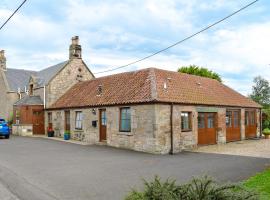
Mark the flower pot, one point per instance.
(267, 136)
(66, 136)
(50, 133)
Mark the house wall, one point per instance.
(150, 127)
(3, 99)
(65, 79)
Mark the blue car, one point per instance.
(4, 129)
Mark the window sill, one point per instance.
(190, 130)
(125, 133)
(78, 130)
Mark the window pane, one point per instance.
(78, 122)
(252, 118)
(236, 119)
(210, 120)
(125, 123)
(185, 121)
(229, 119)
(201, 120)
(247, 118)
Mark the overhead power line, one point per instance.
(13, 14)
(181, 41)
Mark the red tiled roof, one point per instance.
(152, 85)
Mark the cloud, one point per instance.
(114, 33)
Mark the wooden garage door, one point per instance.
(233, 131)
(207, 128)
(250, 124)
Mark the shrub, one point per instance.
(266, 131)
(197, 189)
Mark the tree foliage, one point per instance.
(261, 91)
(200, 71)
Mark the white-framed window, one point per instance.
(125, 119)
(186, 118)
(79, 120)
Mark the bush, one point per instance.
(266, 131)
(197, 189)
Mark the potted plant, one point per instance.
(67, 135)
(50, 132)
(266, 133)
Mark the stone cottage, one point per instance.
(48, 84)
(154, 111)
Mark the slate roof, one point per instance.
(19, 78)
(29, 100)
(151, 85)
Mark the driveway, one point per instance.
(254, 148)
(42, 169)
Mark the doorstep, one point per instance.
(61, 139)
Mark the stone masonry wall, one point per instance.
(65, 79)
(3, 98)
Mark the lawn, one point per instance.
(261, 183)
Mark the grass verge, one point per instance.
(260, 183)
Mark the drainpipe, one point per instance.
(171, 123)
(44, 97)
(260, 122)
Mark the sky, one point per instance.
(113, 33)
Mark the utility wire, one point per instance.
(187, 38)
(13, 14)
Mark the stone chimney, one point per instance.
(75, 50)
(3, 60)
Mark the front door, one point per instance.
(233, 131)
(102, 125)
(67, 120)
(207, 128)
(250, 124)
(38, 122)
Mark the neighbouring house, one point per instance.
(20, 88)
(154, 110)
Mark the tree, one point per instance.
(200, 71)
(261, 91)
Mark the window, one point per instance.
(103, 118)
(125, 120)
(229, 119)
(78, 122)
(50, 119)
(246, 118)
(186, 121)
(236, 119)
(210, 120)
(201, 123)
(252, 118)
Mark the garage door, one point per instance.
(233, 131)
(207, 128)
(250, 124)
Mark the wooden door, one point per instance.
(67, 120)
(207, 128)
(233, 130)
(38, 122)
(250, 124)
(102, 125)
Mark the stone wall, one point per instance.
(71, 74)
(150, 127)
(3, 97)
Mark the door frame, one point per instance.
(101, 126)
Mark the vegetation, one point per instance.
(266, 131)
(261, 183)
(200, 71)
(198, 189)
(261, 92)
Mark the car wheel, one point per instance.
(7, 136)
